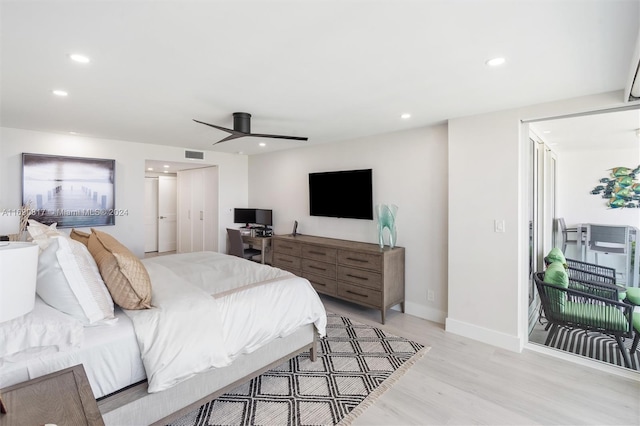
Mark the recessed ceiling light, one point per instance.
(79, 58)
(262, 144)
(166, 166)
(240, 152)
(150, 169)
(166, 171)
(495, 62)
(60, 93)
(73, 133)
(405, 116)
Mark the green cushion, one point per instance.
(556, 255)
(556, 274)
(607, 317)
(633, 295)
(636, 321)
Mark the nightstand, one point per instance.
(61, 398)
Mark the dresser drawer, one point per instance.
(287, 247)
(360, 260)
(284, 261)
(323, 254)
(360, 277)
(319, 268)
(322, 284)
(360, 294)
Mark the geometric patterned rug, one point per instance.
(356, 363)
(594, 345)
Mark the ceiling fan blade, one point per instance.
(217, 127)
(236, 135)
(295, 138)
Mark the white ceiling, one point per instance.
(330, 70)
(610, 130)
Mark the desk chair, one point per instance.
(609, 239)
(236, 245)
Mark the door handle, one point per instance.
(163, 217)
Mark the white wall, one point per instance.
(488, 180)
(409, 170)
(130, 171)
(579, 171)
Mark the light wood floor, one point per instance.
(464, 382)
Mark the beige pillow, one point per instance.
(123, 273)
(80, 236)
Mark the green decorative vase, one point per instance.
(386, 217)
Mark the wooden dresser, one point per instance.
(362, 273)
(61, 398)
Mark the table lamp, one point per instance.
(18, 272)
(9, 226)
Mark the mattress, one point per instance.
(109, 354)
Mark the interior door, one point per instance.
(167, 213)
(150, 214)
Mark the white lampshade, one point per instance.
(9, 224)
(18, 272)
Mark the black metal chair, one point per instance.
(572, 308)
(237, 247)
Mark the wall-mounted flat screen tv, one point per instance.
(344, 194)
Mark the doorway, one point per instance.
(569, 158)
(160, 214)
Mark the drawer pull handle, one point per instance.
(358, 277)
(286, 260)
(317, 252)
(315, 267)
(320, 284)
(357, 294)
(358, 260)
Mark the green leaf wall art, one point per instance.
(621, 188)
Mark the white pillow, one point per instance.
(40, 233)
(69, 280)
(42, 330)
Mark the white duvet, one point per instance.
(208, 308)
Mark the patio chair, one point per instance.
(575, 309)
(561, 226)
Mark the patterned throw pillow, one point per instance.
(123, 273)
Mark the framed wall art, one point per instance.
(70, 191)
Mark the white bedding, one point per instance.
(253, 305)
(109, 353)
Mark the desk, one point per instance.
(261, 243)
(632, 276)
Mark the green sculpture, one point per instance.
(386, 216)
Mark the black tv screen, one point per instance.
(344, 194)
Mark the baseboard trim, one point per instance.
(485, 335)
(424, 312)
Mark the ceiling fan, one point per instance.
(242, 128)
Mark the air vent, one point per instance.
(194, 155)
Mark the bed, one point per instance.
(215, 321)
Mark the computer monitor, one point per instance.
(264, 217)
(246, 216)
